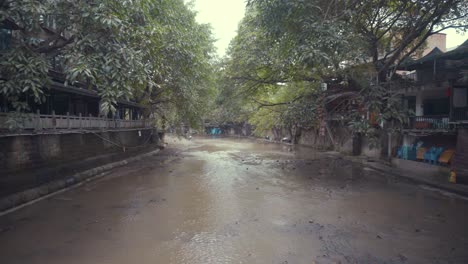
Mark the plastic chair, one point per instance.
(432, 156)
(420, 153)
(400, 153)
(408, 152)
(446, 156)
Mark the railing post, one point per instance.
(68, 120)
(90, 121)
(38, 120)
(54, 120)
(80, 120)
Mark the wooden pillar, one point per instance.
(68, 120)
(389, 150)
(451, 82)
(80, 120)
(54, 120)
(38, 120)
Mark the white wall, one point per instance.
(426, 92)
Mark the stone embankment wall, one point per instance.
(460, 161)
(340, 138)
(27, 161)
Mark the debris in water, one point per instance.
(402, 257)
(379, 237)
(8, 228)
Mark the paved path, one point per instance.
(236, 201)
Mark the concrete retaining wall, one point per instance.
(341, 137)
(343, 141)
(434, 172)
(27, 161)
(460, 161)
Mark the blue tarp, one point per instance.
(215, 131)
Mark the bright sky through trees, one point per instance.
(224, 16)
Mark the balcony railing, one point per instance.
(429, 122)
(45, 122)
(460, 114)
(411, 76)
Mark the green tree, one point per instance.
(351, 42)
(152, 52)
(275, 72)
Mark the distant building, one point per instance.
(438, 95)
(438, 40)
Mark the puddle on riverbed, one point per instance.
(238, 201)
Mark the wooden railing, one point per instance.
(411, 76)
(429, 122)
(40, 122)
(460, 115)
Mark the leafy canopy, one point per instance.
(152, 52)
(284, 49)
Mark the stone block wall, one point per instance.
(460, 160)
(341, 137)
(30, 160)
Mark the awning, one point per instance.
(411, 64)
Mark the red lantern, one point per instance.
(448, 92)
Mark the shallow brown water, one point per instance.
(237, 201)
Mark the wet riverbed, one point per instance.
(237, 201)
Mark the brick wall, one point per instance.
(30, 160)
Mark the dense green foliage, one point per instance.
(285, 49)
(149, 51)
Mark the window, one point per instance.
(460, 97)
(437, 106)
